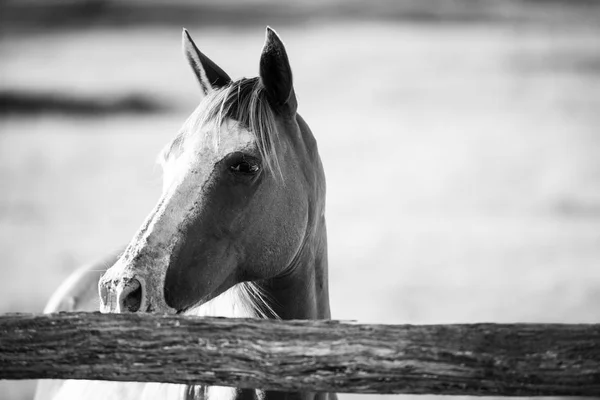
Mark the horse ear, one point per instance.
(209, 74)
(276, 74)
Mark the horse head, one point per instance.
(243, 191)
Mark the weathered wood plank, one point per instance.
(478, 359)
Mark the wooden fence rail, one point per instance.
(478, 359)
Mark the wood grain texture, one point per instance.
(478, 359)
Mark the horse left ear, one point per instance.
(210, 75)
(276, 74)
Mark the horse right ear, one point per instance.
(276, 74)
(210, 75)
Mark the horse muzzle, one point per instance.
(125, 295)
(125, 292)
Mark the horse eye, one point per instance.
(245, 167)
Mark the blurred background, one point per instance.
(461, 142)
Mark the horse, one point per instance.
(238, 231)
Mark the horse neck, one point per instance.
(303, 292)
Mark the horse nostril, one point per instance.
(130, 299)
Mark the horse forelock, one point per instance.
(244, 101)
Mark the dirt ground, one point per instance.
(463, 161)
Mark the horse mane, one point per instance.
(244, 101)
